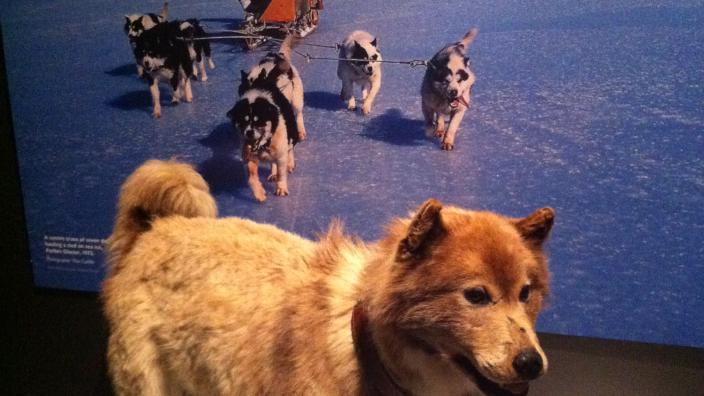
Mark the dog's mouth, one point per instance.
(486, 385)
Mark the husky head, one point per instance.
(369, 53)
(136, 24)
(150, 49)
(449, 70)
(467, 287)
(256, 117)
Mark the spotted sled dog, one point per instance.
(444, 304)
(446, 90)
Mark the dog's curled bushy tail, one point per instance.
(156, 189)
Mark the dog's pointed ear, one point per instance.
(127, 19)
(536, 227)
(425, 227)
(374, 42)
(356, 45)
(262, 75)
(243, 75)
(231, 113)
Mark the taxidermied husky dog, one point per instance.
(444, 304)
(136, 24)
(366, 72)
(446, 90)
(266, 117)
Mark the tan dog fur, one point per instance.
(206, 306)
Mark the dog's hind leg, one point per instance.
(133, 363)
(189, 92)
(272, 177)
(291, 161)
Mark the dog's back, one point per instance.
(206, 306)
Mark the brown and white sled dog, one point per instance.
(444, 304)
(266, 118)
(446, 90)
(365, 72)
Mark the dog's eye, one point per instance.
(477, 296)
(375, 57)
(524, 294)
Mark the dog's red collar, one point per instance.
(375, 378)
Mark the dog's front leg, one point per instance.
(373, 91)
(347, 93)
(254, 183)
(154, 89)
(448, 143)
(189, 92)
(291, 161)
(273, 175)
(282, 174)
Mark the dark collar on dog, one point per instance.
(375, 378)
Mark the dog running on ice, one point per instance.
(164, 56)
(136, 24)
(199, 50)
(444, 304)
(446, 90)
(365, 72)
(269, 117)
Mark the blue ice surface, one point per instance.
(592, 108)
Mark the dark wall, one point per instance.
(56, 340)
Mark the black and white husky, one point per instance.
(446, 89)
(266, 118)
(365, 72)
(164, 56)
(191, 31)
(136, 24)
(277, 67)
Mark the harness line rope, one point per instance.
(308, 57)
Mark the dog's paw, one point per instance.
(156, 114)
(447, 146)
(260, 195)
(204, 78)
(302, 134)
(175, 101)
(439, 133)
(272, 178)
(282, 191)
(351, 105)
(290, 168)
(366, 109)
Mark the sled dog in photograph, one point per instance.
(268, 115)
(446, 90)
(365, 72)
(136, 24)
(199, 50)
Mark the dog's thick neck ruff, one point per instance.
(376, 378)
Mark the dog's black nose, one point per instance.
(453, 93)
(528, 364)
(146, 64)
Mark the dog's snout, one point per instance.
(369, 69)
(146, 63)
(528, 364)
